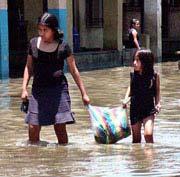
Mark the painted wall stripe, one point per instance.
(4, 44)
(61, 14)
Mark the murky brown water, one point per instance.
(82, 156)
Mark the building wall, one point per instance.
(174, 24)
(32, 10)
(153, 24)
(59, 9)
(70, 23)
(89, 37)
(120, 25)
(110, 24)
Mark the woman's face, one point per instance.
(46, 33)
(137, 25)
(137, 64)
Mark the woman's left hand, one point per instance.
(86, 99)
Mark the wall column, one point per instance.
(110, 24)
(63, 11)
(113, 17)
(4, 41)
(152, 25)
(120, 25)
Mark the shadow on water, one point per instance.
(83, 156)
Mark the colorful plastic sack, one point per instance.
(109, 125)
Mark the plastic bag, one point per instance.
(109, 125)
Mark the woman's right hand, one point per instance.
(24, 95)
(86, 99)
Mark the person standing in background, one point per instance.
(133, 34)
(134, 43)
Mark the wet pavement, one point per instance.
(83, 156)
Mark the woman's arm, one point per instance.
(26, 77)
(76, 76)
(157, 97)
(134, 33)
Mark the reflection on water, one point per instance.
(4, 91)
(82, 156)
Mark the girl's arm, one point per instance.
(76, 76)
(157, 97)
(134, 33)
(127, 98)
(26, 77)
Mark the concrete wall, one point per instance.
(89, 37)
(59, 9)
(120, 25)
(32, 10)
(110, 24)
(3, 4)
(100, 60)
(174, 24)
(152, 25)
(70, 23)
(57, 3)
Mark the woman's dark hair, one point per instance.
(147, 61)
(51, 21)
(133, 22)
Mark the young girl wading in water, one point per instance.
(144, 95)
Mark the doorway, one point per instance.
(17, 36)
(19, 22)
(17, 26)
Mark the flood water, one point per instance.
(83, 156)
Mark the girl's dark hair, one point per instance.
(147, 61)
(133, 22)
(51, 21)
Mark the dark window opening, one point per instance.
(134, 3)
(94, 13)
(175, 3)
(17, 37)
(17, 26)
(165, 14)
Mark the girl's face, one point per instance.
(137, 64)
(46, 33)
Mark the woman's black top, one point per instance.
(46, 63)
(131, 39)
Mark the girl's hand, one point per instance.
(86, 99)
(125, 102)
(124, 106)
(24, 95)
(158, 107)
